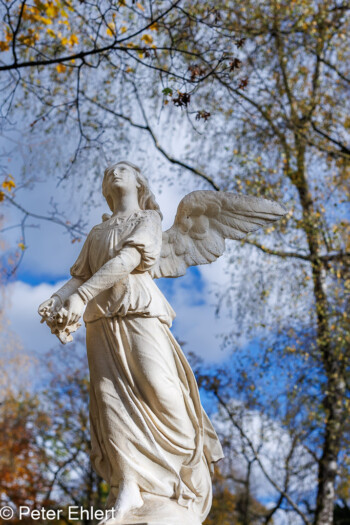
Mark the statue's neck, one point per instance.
(125, 204)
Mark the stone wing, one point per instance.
(203, 221)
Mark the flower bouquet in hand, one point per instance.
(54, 314)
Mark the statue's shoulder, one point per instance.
(139, 216)
(150, 214)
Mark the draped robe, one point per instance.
(147, 421)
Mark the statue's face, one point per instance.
(122, 178)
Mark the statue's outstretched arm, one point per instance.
(109, 274)
(68, 289)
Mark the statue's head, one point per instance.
(129, 175)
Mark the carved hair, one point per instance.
(146, 199)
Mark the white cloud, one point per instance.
(21, 307)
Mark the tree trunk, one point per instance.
(335, 386)
(332, 403)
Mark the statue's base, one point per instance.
(157, 510)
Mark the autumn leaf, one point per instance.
(202, 115)
(147, 39)
(73, 40)
(140, 6)
(46, 21)
(183, 99)
(123, 29)
(4, 46)
(52, 10)
(243, 83)
(8, 185)
(240, 43)
(110, 29)
(235, 64)
(22, 246)
(61, 68)
(2, 196)
(196, 71)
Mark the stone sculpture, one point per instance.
(151, 440)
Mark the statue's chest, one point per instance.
(106, 243)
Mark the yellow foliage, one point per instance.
(73, 40)
(110, 29)
(46, 21)
(154, 27)
(123, 29)
(8, 184)
(51, 33)
(51, 10)
(61, 68)
(147, 39)
(21, 246)
(140, 6)
(2, 196)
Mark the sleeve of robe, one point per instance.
(139, 252)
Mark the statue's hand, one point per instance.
(74, 307)
(49, 306)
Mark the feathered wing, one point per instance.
(203, 221)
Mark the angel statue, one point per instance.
(151, 440)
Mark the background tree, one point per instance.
(77, 70)
(45, 443)
(288, 135)
(234, 502)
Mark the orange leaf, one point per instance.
(8, 185)
(60, 68)
(4, 46)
